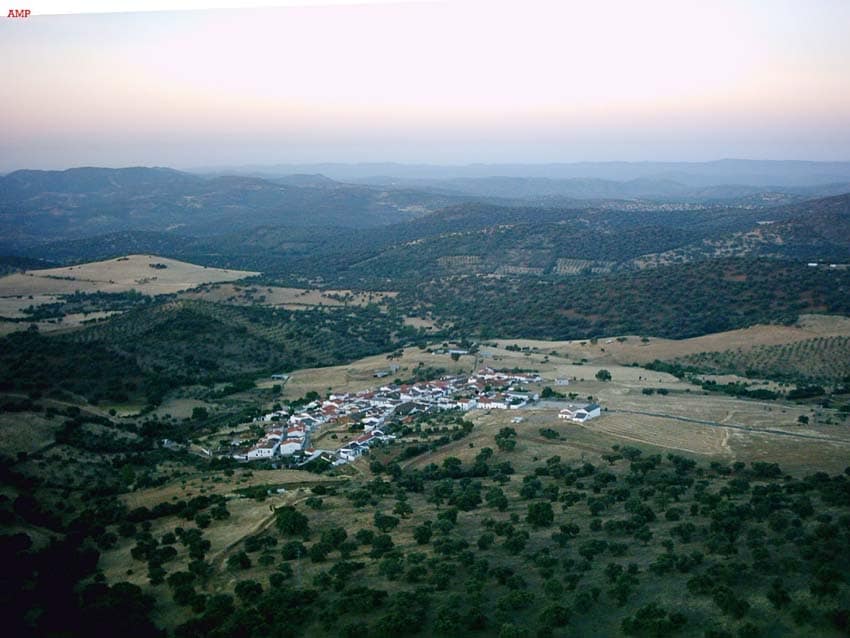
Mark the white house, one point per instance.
(467, 404)
(523, 395)
(290, 447)
(581, 414)
(349, 453)
(493, 403)
(590, 411)
(263, 451)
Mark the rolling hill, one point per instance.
(542, 190)
(46, 205)
(815, 230)
(760, 173)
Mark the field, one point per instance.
(13, 307)
(289, 298)
(632, 349)
(66, 322)
(686, 419)
(220, 483)
(148, 274)
(822, 359)
(576, 266)
(359, 375)
(25, 432)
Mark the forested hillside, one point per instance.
(144, 353)
(41, 205)
(673, 301)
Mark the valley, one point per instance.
(403, 319)
(369, 429)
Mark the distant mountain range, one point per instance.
(548, 191)
(761, 173)
(309, 226)
(42, 205)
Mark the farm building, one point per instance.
(580, 414)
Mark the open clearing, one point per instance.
(66, 322)
(633, 350)
(134, 272)
(359, 375)
(13, 307)
(25, 432)
(828, 449)
(209, 484)
(289, 298)
(686, 419)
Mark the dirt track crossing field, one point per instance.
(745, 428)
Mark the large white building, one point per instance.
(580, 414)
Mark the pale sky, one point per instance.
(442, 82)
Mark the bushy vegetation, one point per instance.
(472, 548)
(823, 359)
(146, 352)
(673, 301)
(85, 303)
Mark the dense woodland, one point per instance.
(675, 301)
(148, 351)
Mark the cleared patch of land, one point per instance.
(180, 408)
(360, 374)
(13, 307)
(289, 298)
(148, 274)
(25, 432)
(66, 322)
(208, 484)
(818, 359)
(419, 322)
(732, 430)
(634, 349)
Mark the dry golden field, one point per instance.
(68, 322)
(359, 375)
(134, 272)
(633, 350)
(13, 307)
(687, 419)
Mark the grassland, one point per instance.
(360, 374)
(148, 274)
(283, 297)
(685, 418)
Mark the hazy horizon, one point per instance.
(446, 83)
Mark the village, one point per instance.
(378, 412)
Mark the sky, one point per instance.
(436, 82)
